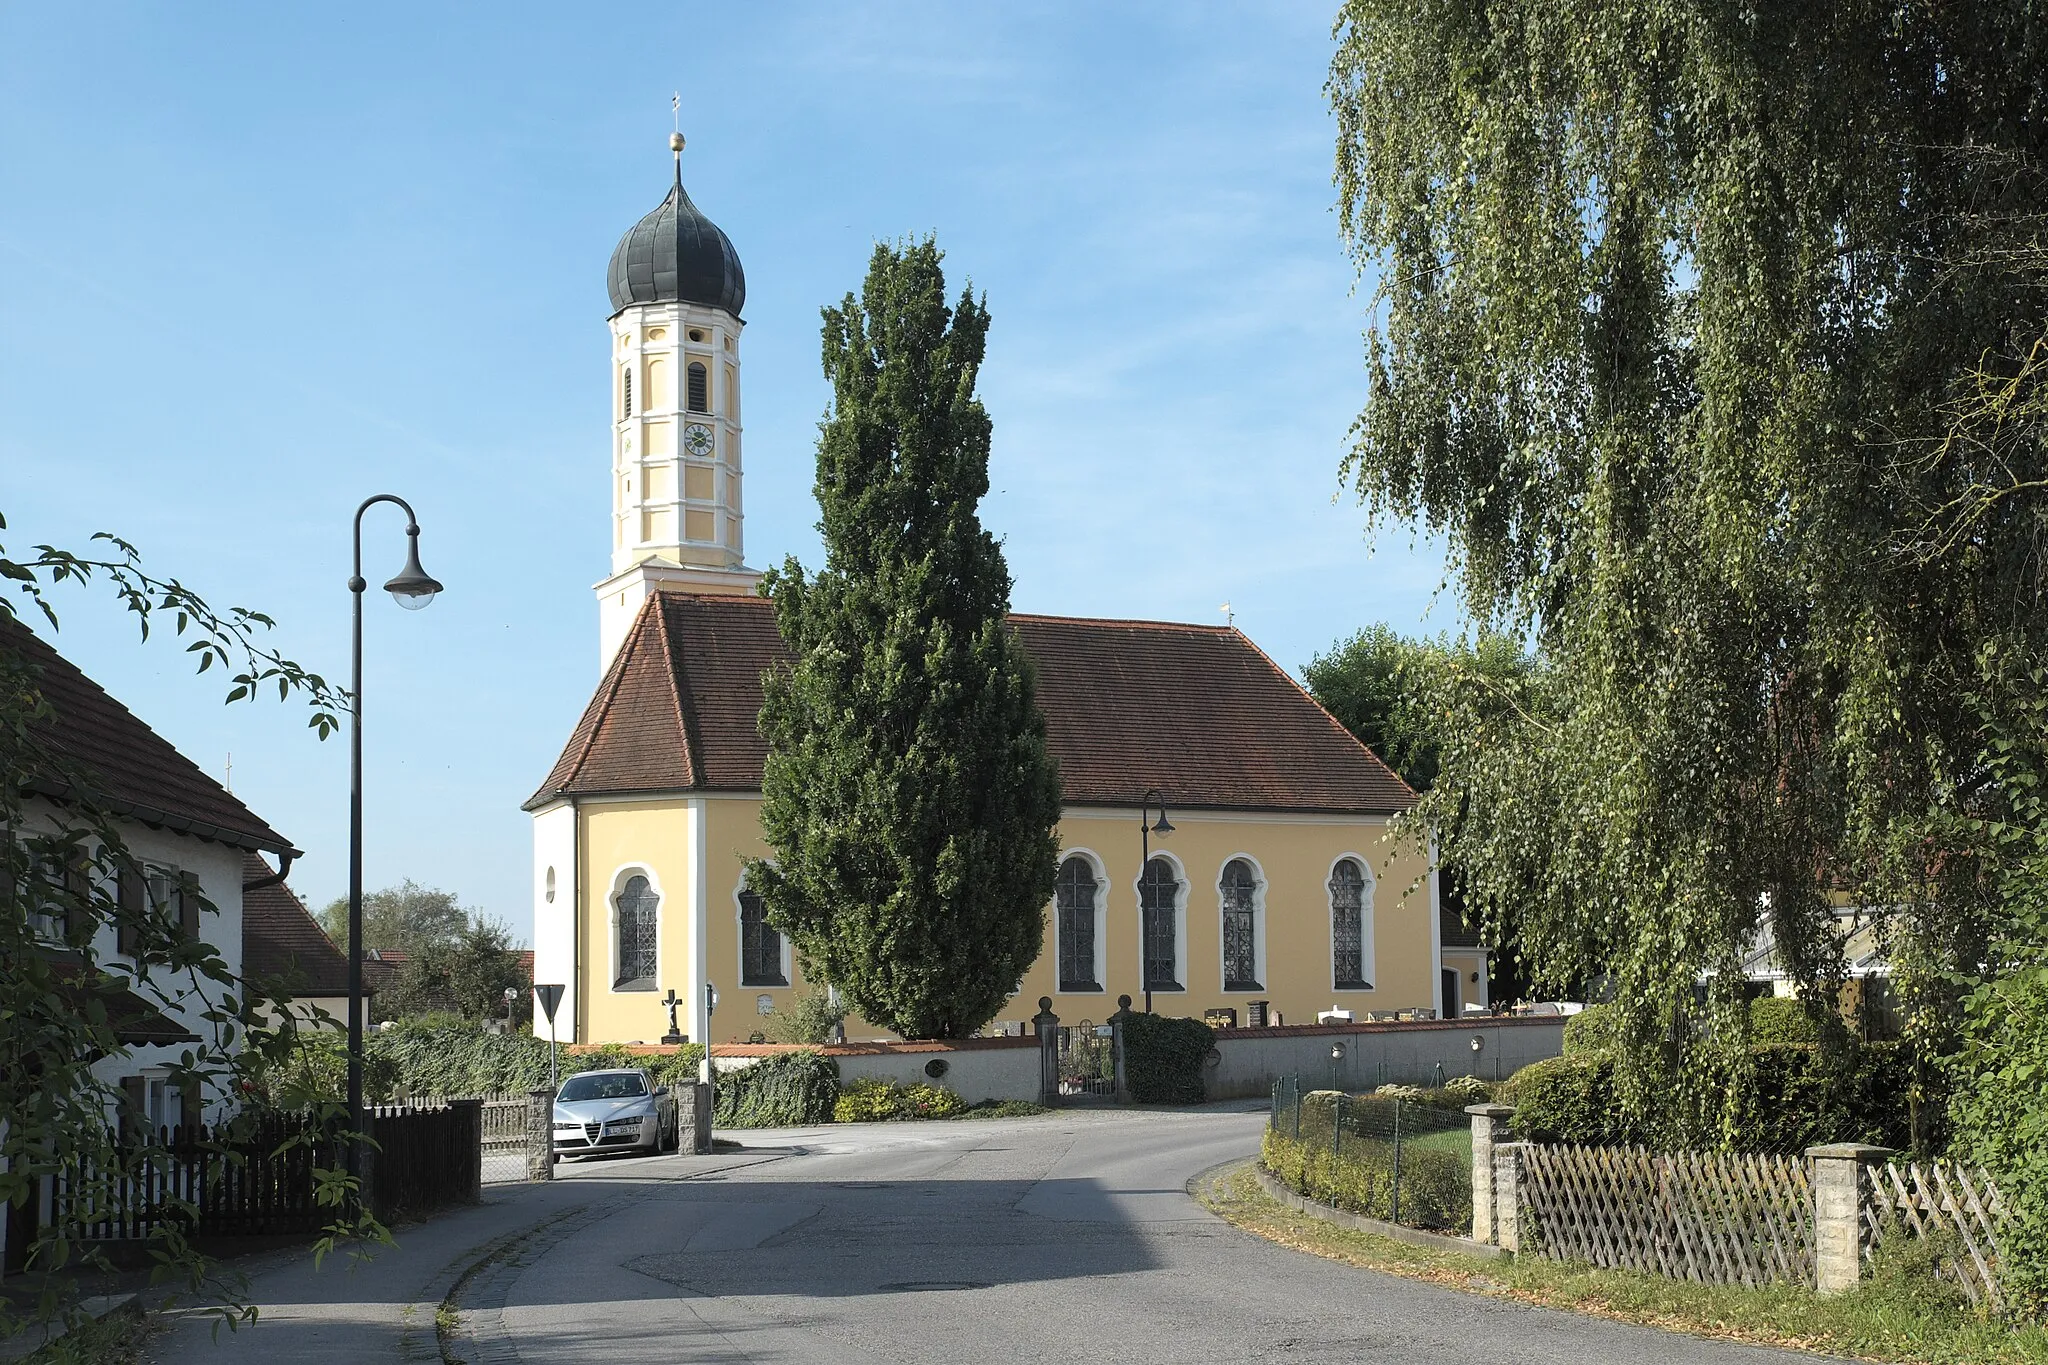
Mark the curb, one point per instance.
(1358, 1222)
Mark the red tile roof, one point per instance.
(1196, 711)
(134, 770)
(282, 944)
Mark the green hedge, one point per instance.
(443, 1055)
(1781, 1019)
(788, 1090)
(1164, 1058)
(872, 1099)
(1435, 1161)
(1789, 1097)
(1596, 1028)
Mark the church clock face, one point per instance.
(697, 439)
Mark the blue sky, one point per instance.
(260, 261)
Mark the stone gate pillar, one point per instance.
(1048, 1025)
(1489, 1131)
(1838, 1213)
(540, 1134)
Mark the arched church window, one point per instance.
(700, 387)
(1240, 927)
(760, 944)
(1074, 894)
(635, 913)
(1347, 924)
(627, 393)
(1158, 904)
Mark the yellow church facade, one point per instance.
(1280, 891)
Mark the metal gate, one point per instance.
(1087, 1060)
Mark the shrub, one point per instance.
(871, 1099)
(1597, 1028)
(1781, 1019)
(1789, 1096)
(676, 1068)
(810, 1018)
(2001, 1118)
(1468, 1090)
(1164, 1058)
(1436, 1181)
(788, 1090)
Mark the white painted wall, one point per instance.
(975, 1074)
(1252, 1060)
(554, 922)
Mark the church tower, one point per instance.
(677, 290)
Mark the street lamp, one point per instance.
(1146, 830)
(1336, 1059)
(413, 590)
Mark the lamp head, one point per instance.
(1162, 829)
(412, 588)
(1336, 1052)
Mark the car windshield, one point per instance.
(613, 1085)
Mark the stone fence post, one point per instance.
(1507, 1196)
(1838, 1212)
(540, 1134)
(1048, 1026)
(1116, 1041)
(700, 1115)
(1489, 1131)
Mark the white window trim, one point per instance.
(1180, 922)
(1258, 927)
(739, 965)
(1368, 964)
(620, 874)
(1101, 872)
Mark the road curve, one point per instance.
(1064, 1238)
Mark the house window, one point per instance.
(175, 905)
(1240, 927)
(627, 400)
(1074, 893)
(1347, 924)
(760, 944)
(1159, 902)
(700, 387)
(634, 911)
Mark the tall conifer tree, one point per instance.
(908, 794)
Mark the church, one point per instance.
(1261, 883)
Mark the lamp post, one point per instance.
(412, 589)
(1146, 830)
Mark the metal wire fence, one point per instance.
(1386, 1155)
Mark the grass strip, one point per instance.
(1900, 1314)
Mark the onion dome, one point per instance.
(676, 254)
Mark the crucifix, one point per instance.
(674, 1034)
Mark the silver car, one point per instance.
(614, 1111)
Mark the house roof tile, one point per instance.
(1196, 711)
(135, 770)
(282, 944)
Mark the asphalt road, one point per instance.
(1068, 1237)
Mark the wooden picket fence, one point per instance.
(1940, 1200)
(254, 1181)
(427, 1156)
(1710, 1217)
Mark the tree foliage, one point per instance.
(62, 994)
(1685, 318)
(408, 917)
(467, 976)
(908, 792)
(1378, 684)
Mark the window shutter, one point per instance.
(188, 911)
(189, 1111)
(131, 904)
